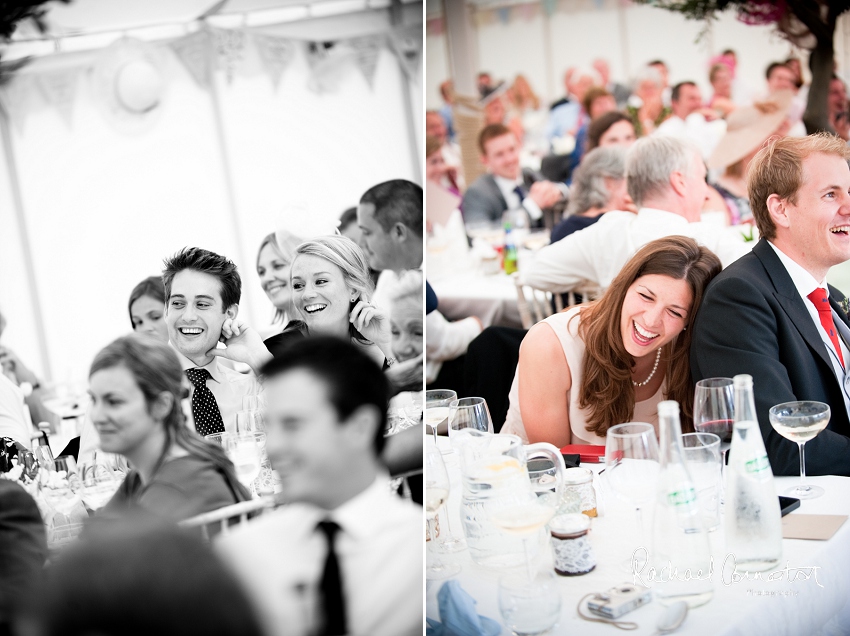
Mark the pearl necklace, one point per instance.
(651, 373)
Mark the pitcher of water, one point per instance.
(494, 466)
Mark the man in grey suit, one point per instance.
(506, 186)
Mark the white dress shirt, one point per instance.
(279, 558)
(445, 340)
(598, 253)
(806, 284)
(507, 187)
(705, 134)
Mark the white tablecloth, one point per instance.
(492, 298)
(745, 608)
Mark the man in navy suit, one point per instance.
(506, 186)
(771, 314)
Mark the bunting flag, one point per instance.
(59, 89)
(194, 52)
(550, 6)
(230, 49)
(435, 26)
(275, 54)
(17, 98)
(407, 43)
(366, 52)
(504, 14)
(327, 62)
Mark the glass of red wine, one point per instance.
(714, 411)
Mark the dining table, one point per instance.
(808, 593)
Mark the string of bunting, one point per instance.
(206, 52)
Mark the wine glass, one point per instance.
(100, 480)
(632, 466)
(437, 488)
(800, 422)
(714, 409)
(469, 412)
(521, 513)
(249, 421)
(244, 452)
(437, 402)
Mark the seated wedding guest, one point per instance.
(202, 291)
(599, 185)
(15, 426)
(406, 321)
(23, 551)
(332, 296)
(445, 346)
(720, 77)
(611, 129)
(646, 106)
(690, 120)
(344, 556)
(435, 127)
(597, 101)
(136, 387)
(620, 92)
(274, 259)
(747, 129)
(26, 380)
(666, 180)
(437, 170)
(506, 186)
(147, 308)
(137, 578)
(772, 315)
(594, 366)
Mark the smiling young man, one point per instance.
(771, 313)
(202, 292)
(344, 555)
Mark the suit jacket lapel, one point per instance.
(789, 298)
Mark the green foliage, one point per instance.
(693, 9)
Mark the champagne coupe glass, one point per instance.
(521, 513)
(244, 452)
(437, 488)
(632, 467)
(437, 402)
(800, 422)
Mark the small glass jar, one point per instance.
(580, 481)
(571, 549)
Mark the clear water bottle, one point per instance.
(680, 552)
(753, 521)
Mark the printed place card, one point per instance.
(818, 527)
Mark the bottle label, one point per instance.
(681, 497)
(757, 465)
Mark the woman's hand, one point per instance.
(372, 323)
(243, 344)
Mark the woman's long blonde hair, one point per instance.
(606, 390)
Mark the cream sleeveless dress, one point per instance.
(566, 328)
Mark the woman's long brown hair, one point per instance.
(606, 390)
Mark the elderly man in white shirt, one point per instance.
(344, 556)
(666, 180)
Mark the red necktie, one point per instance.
(821, 303)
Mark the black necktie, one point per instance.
(333, 603)
(521, 193)
(204, 407)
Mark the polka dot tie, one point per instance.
(333, 603)
(204, 407)
(821, 303)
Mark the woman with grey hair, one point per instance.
(599, 185)
(332, 296)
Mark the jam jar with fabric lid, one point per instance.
(580, 481)
(571, 550)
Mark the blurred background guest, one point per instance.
(611, 129)
(136, 578)
(599, 185)
(406, 322)
(147, 308)
(136, 388)
(690, 120)
(447, 95)
(436, 169)
(646, 106)
(720, 77)
(746, 131)
(837, 109)
(484, 83)
(621, 92)
(274, 258)
(436, 127)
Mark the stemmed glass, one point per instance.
(521, 513)
(469, 412)
(437, 488)
(244, 451)
(437, 403)
(800, 422)
(632, 466)
(101, 480)
(714, 409)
